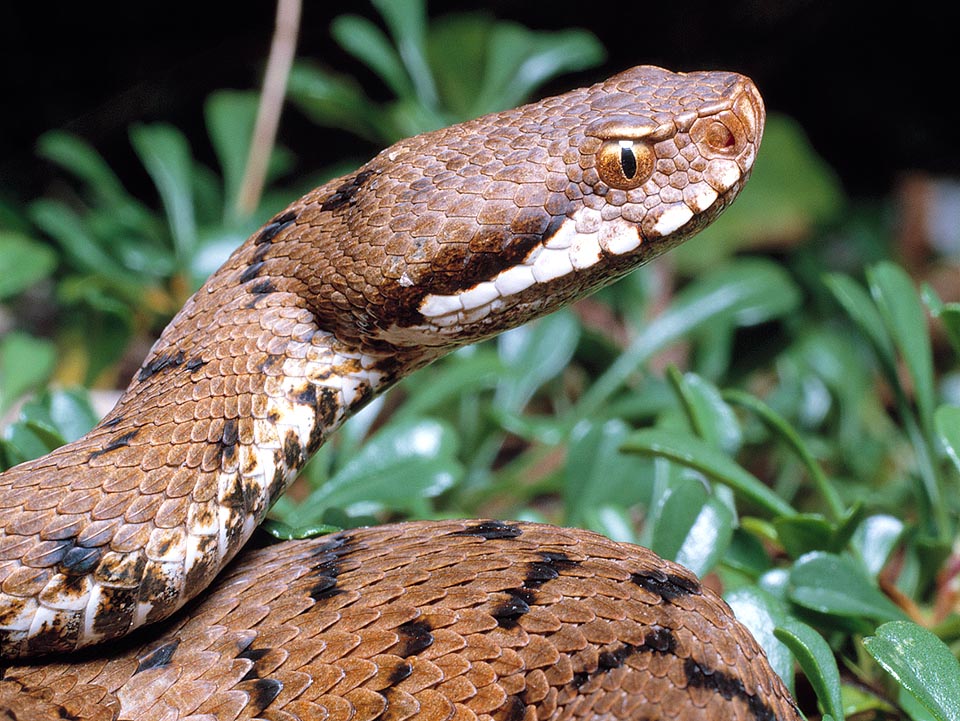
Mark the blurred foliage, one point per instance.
(806, 457)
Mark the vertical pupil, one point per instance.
(628, 161)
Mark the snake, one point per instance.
(124, 593)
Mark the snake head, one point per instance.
(461, 233)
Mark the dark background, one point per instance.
(874, 89)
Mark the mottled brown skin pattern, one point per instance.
(456, 620)
(327, 305)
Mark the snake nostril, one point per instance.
(719, 137)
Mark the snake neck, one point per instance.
(229, 405)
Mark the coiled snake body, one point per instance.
(440, 240)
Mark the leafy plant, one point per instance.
(805, 457)
(440, 72)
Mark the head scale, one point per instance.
(459, 234)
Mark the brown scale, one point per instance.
(431, 620)
(453, 620)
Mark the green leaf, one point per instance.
(817, 661)
(599, 474)
(875, 539)
(25, 262)
(786, 434)
(25, 363)
(335, 101)
(922, 664)
(84, 251)
(533, 354)
(367, 43)
(856, 302)
(762, 613)
(743, 292)
(165, 154)
(946, 420)
(902, 313)
(230, 118)
(696, 454)
(399, 468)
(805, 532)
(947, 313)
(80, 158)
(407, 22)
(519, 60)
(836, 585)
(709, 416)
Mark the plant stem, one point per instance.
(282, 50)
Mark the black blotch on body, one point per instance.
(112, 423)
(580, 678)
(228, 440)
(118, 442)
(539, 572)
(79, 561)
(292, 452)
(270, 230)
(328, 556)
(399, 673)
(307, 397)
(157, 657)
(513, 709)
(263, 287)
(490, 530)
(508, 612)
(161, 362)
(327, 405)
(261, 692)
(253, 654)
(415, 636)
(346, 191)
(194, 363)
(728, 687)
(251, 271)
(666, 585)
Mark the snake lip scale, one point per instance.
(112, 600)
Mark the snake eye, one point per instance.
(624, 164)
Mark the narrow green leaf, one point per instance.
(368, 44)
(817, 661)
(857, 304)
(696, 454)
(836, 585)
(762, 613)
(779, 426)
(533, 354)
(165, 154)
(407, 22)
(399, 468)
(922, 664)
(25, 262)
(80, 158)
(25, 363)
(743, 292)
(709, 416)
(875, 539)
(230, 117)
(599, 474)
(335, 101)
(947, 313)
(946, 420)
(900, 307)
(82, 249)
